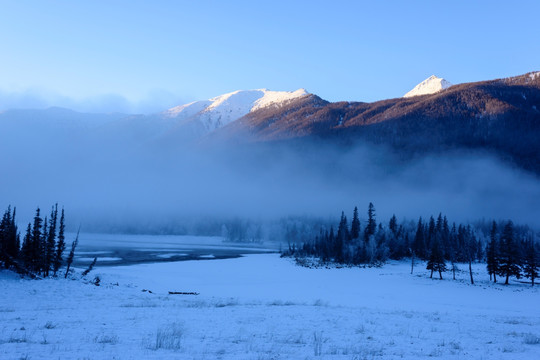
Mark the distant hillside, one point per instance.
(500, 116)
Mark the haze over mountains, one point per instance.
(262, 152)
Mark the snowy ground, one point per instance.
(265, 307)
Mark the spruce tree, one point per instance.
(355, 226)
(13, 239)
(60, 245)
(9, 246)
(392, 225)
(36, 243)
(27, 248)
(469, 248)
(51, 241)
(71, 254)
(531, 261)
(509, 254)
(493, 253)
(90, 267)
(431, 232)
(436, 259)
(341, 238)
(43, 249)
(419, 243)
(371, 226)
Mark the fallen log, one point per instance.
(182, 293)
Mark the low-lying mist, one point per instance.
(108, 187)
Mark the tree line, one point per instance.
(41, 251)
(507, 250)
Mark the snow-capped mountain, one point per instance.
(224, 109)
(431, 85)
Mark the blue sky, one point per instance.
(109, 54)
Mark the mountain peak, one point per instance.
(431, 85)
(224, 109)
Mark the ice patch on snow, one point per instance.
(99, 259)
(168, 256)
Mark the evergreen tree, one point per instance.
(90, 267)
(60, 245)
(419, 243)
(392, 225)
(509, 254)
(43, 249)
(431, 233)
(51, 241)
(469, 243)
(341, 239)
(436, 259)
(493, 253)
(9, 239)
(531, 261)
(371, 226)
(71, 254)
(355, 226)
(27, 248)
(381, 250)
(36, 243)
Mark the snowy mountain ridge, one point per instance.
(431, 85)
(224, 109)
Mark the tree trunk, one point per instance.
(454, 271)
(431, 276)
(440, 274)
(494, 277)
(470, 272)
(412, 262)
(67, 270)
(507, 277)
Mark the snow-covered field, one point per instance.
(264, 307)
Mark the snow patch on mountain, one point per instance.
(224, 109)
(431, 85)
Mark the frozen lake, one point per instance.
(126, 249)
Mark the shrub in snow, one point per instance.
(168, 337)
(531, 339)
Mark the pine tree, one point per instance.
(509, 254)
(531, 261)
(9, 246)
(436, 259)
(13, 239)
(493, 253)
(469, 248)
(71, 254)
(341, 238)
(36, 243)
(43, 247)
(419, 243)
(27, 248)
(51, 241)
(371, 226)
(392, 225)
(90, 267)
(430, 232)
(60, 245)
(355, 226)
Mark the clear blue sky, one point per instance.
(175, 51)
